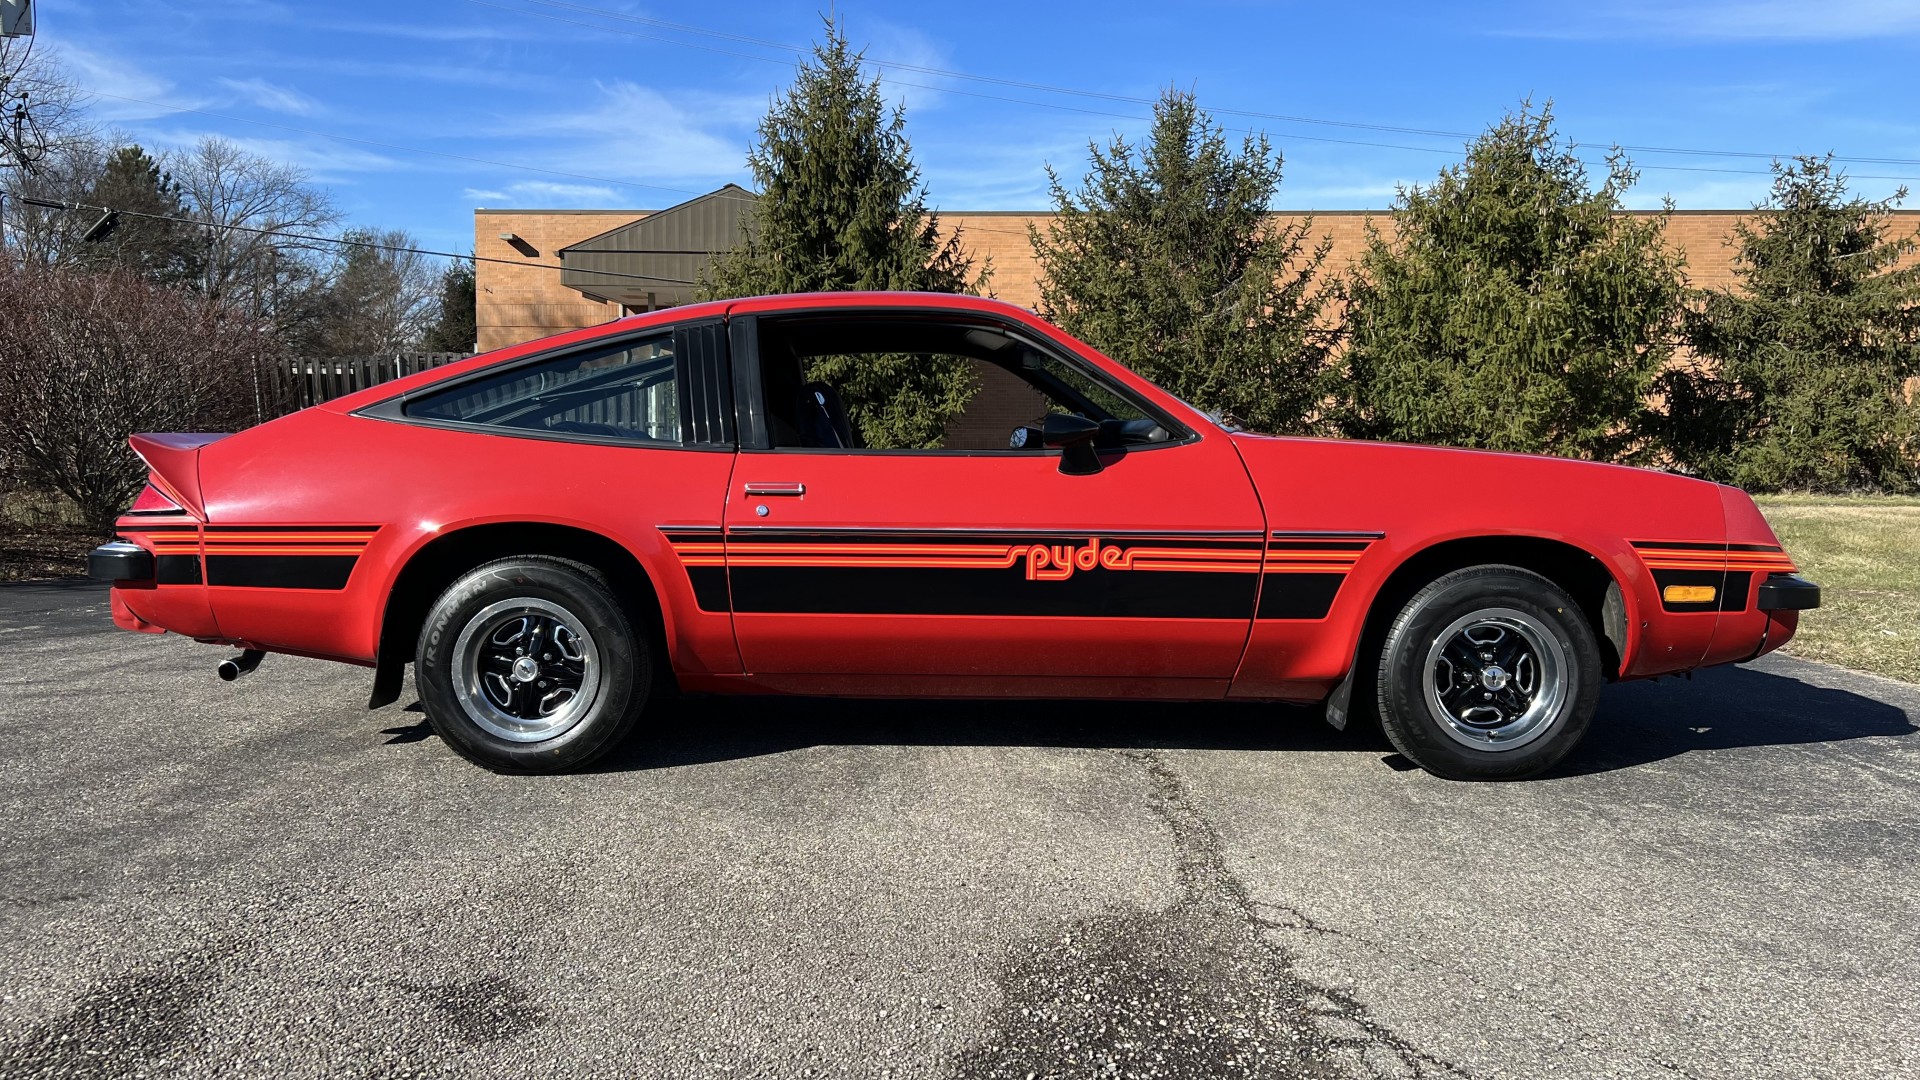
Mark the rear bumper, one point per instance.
(1785, 592)
(120, 561)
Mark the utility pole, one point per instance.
(16, 22)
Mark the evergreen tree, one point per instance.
(1167, 259)
(142, 240)
(842, 208)
(1801, 373)
(455, 325)
(1511, 307)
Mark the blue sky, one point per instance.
(621, 111)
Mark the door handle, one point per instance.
(776, 489)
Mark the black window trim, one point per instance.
(393, 409)
(749, 387)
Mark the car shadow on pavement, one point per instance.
(1725, 708)
(1638, 723)
(698, 730)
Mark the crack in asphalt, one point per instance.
(1192, 992)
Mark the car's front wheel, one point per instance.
(1489, 673)
(530, 664)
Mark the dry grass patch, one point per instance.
(41, 537)
(1865, 553)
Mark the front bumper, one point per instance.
(1785, 592)
(120, 561)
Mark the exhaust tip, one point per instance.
(234, 667)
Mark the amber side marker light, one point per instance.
(1689, 594)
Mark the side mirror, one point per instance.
(1073, 437)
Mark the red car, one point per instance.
(559, 533)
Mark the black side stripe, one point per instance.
(281, 571)
(1299, 596)
(1693, 545)
(929, 591)
(176, 570)
(872, 571)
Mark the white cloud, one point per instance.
(917, 91)
(1730, 193)
(966, 171)
(481, 196)
(115, 83)
(505, 29)
(418, 70)
(637, 134)
(1362, 195)
(551, 193)
(273, 98)
(1743, 20)
(327, 161)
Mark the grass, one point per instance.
(40, 537)
(1865, 553)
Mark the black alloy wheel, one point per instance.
(531, 664)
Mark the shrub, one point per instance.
(89, 358)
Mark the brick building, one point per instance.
(521, 302)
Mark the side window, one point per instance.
(887, 383)
(623, 391)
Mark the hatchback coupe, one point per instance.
(907, 495)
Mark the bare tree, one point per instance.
(48, 150)
(254, 211)
(381, 296)
(39, 236)
(41, 110)
(87, 359)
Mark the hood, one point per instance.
(1337, 484)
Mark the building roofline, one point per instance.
(548, 210)
(1376, 211)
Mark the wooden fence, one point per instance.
(288, 385)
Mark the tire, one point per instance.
(1489, 673)
(574, 696)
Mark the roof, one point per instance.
(654, 261)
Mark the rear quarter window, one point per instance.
(629, 390)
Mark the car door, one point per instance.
(976, 568)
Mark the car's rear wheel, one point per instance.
(1489, 673)
(530, 664)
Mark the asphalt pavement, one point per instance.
(264, 879)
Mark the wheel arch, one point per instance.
(439, 562)
(1604, 599)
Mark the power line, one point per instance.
(947, 73)
(940, 72)
(1124, 116)
(404, 148)
(393, 146)
(684, 28)
(51, 204)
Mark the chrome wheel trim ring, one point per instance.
(1513, 688)
(486, 688)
